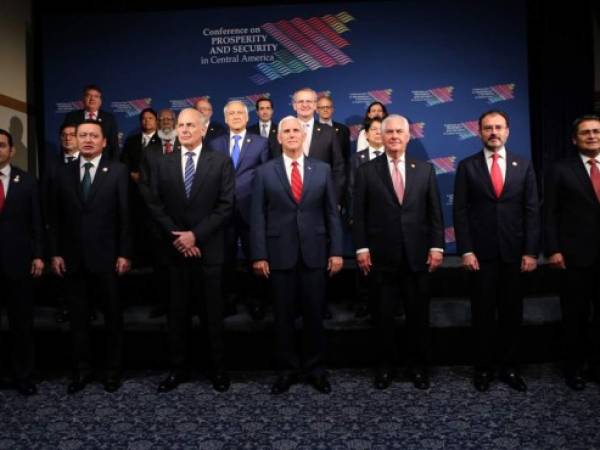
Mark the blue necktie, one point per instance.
(188, 177)
(86, 182)
(235, 153)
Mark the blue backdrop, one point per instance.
(439, 63)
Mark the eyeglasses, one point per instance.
(594, 131)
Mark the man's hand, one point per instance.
(185, 240)
(557, 261)
(122, 266)
(528, 263)
(58, 266)
(434, 260)
(470, 262)
(193, 252)
(364, 262)
(261, 268)
(135, 177)
(37, 267)
(334, 265)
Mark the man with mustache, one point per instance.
(497, 226)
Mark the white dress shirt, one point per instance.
(73, 155)
(372, 151)
(268, 128)
(501, 160)
(287, 162)
(146, 139)
(308, 129)
(95, 161)
(5, 178)
(184, 158)
(362, 142)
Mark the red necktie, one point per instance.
(296, 182)
(92, 116)
(595, 176)
(168, 146)
(1, 194)
(397, 181)
(496, 173)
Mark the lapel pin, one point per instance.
(514, 163)
(318, 129)
(362, 156)
(412, 165)
(105, 169)
(16, 179)
(248, 140)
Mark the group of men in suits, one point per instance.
(209, 199)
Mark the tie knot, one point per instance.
(294, 163)
(495, 156)
(237, 138)
(592, 161)
(190, 155)
(88, 165)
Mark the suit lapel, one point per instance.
(244, 150)
(280, 169)
(173, 162)
(316, 136)
(307, 178)
(484, 173)
(385, 177)
(102, 172)
(583, 176)
(410, 175)
(75, 179)
(205, 162)
(14, 187)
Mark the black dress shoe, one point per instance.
(283, 383)
(383, 379)
(221, 382)
(112, 384)
(173, 380)
(482, 380)
(26, 388)
(78, 382)
(420, 379)
(320, 383)
(361, 311)
(514, 380)
(257, 312)
(61, 316)
(575, 381)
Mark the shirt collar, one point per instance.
(6, 171)
(501, 153)
(95, 161)
(288, 161)
(401, 159)
(196, 150)
(586, 158)
(327, 122)
(241, 133)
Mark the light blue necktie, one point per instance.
(235, 153)
(188, 177)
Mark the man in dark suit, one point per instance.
(92, 102)
(69, 151)
(247, 152)
(325, 111)
(265, 126)
(321, 141)
(295, 239)
(399, 236)
(497, 227)
(21, 236)
(213, 129)
(572, 221)
(90, 245)
(138, 147)
(191, 199)
(365, 296)
(166, 130)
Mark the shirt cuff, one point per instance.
(362, 250)
(435, 249)
(468, 253)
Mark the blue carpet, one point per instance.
(451, 415)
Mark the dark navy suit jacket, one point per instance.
(281, 230)
(254, 152)
(21, 232)
(496, 229)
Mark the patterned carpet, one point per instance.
(451, 415)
